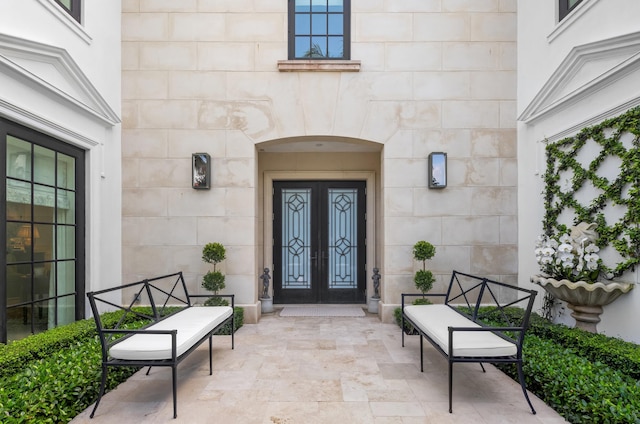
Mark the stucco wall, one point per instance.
(572, 75)
(62, 78)
(434, 76)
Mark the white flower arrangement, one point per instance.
(572, 256)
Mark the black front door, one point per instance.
(319, 241)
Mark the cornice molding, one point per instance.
(39, 123)
(587, 69)
(53, 72)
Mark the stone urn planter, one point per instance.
(584, 299)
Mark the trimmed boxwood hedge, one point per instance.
(52, 376)
(580, 390)
(587, 378)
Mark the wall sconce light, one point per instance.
(200, 170)
(437, 170)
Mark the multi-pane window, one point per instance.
(43, 232)
(566, 6)
(72, 7)
(319, 29)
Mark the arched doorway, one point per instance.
(319, 202)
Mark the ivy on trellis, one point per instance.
(618, 139)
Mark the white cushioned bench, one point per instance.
(472, 324)
(435, 321)
(192, 324)
(177, 326)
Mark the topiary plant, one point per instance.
(214, 253)
(423, 278)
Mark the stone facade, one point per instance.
(434, 75)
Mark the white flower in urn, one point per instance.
(571, 255)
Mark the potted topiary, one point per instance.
(423, 278)
(214, 253)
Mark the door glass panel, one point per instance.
(66, 172)
(17, 246)
(66, 273)
(18, 158)
(296, 238)
(18, 279)
(343, 238)
(44, 166)
(44, 203)
(43, 242)
(66, 210)
(65, 243)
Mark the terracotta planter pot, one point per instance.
(585, 299)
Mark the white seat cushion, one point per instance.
(434, 321)
(192, 324)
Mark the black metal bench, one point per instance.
(473, 323)
(177, 326)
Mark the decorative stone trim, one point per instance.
(319, 65)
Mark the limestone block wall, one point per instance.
(435, 75)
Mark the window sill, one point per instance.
(319, 65)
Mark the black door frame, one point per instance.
(36, 138)
(319, 291)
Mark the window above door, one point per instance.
(319, 29)
(319, 37)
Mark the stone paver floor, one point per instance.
(287, 370)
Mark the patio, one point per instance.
(319, 370)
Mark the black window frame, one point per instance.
(74, 10)
(36, 138)
(346, 35)
(564, 8)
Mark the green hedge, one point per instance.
(620, 355)
(15, 355)
(58, 387)
(52, 376)
(580, 390)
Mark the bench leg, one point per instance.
(524, 388)
(210, 354)
(421, 354)
(103, 384)
(450, 387)
(233, 329)
(174, 374)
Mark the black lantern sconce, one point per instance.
(437, 170)
(200, 170)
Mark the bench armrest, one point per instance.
(499, 329)
(207, 296)
(123, 331)
(426, 295)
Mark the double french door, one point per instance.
(319, 241)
